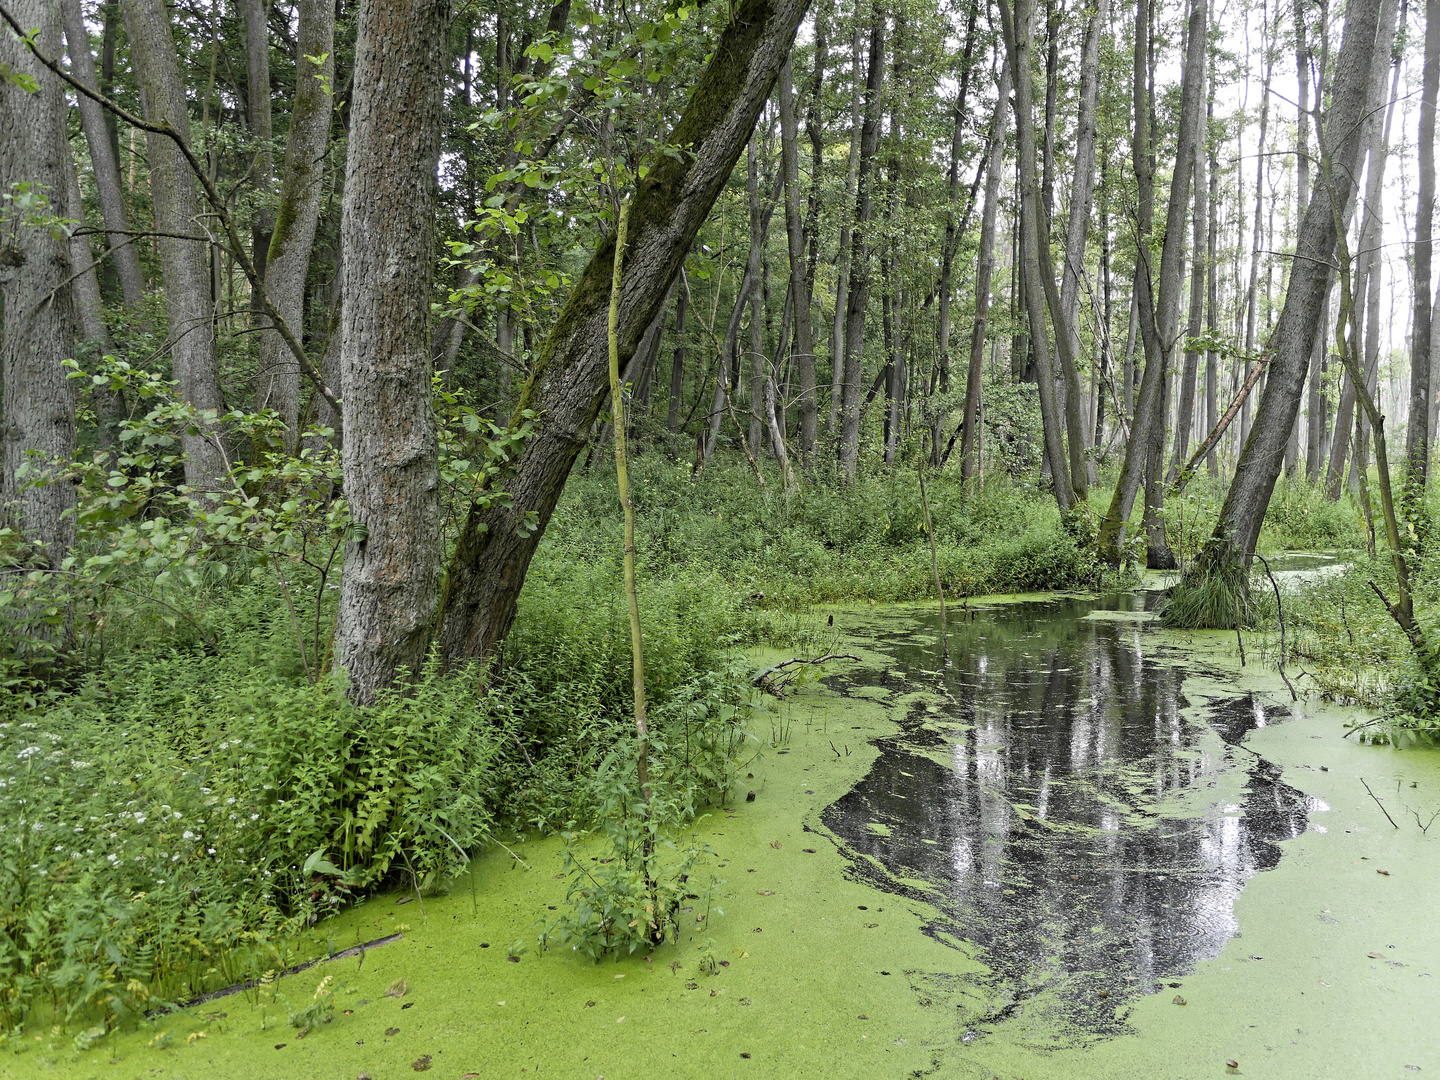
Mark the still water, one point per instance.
(1063, 806)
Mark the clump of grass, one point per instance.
(1211, 597)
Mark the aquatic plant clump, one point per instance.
(1212, 597)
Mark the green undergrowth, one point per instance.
(825, 543)
(173, 817)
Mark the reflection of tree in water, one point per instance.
(1047, 836)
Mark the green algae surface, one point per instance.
(832, 960)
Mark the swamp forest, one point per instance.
(708, 538)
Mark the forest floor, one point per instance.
(831, 963)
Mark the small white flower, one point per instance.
(254, 817)
(28, 752)
(113, 858)
(187, 834)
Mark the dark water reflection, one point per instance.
(1060, 811)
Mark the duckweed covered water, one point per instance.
(1001, 870)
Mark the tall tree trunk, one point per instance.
(1212, 291)
(756, 352)
(1185, 408)
(293, 233)
(570, 377)
(254, 18)
(677, 365)
(39, 327)
(1376, 136)
(843, 255)
(1082, 188)
(858, 292)
(1230, 548)
(1257, 242)
(1417, 449)
(984, 270)
(103, 161)
(1161, 345)
(390, 458)
(1020, 43)
(799, 279)
(1156, 320)
(952, 239)
(184, 264)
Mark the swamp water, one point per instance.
(1001, 869)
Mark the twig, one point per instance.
(1426, 827)
(1379, 803)
(1279, 611)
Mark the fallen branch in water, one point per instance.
(250, 984)
(763, 678)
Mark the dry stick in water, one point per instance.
(1280, 612)
(1379, 803)
(935, 569)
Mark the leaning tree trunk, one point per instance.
(390, 459)
(570, 379)
(1230, 549)
(39, 327)
(293, 229)
(184, 263)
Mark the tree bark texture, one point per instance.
(569, 381)
(39, 328)
(184, 264)
(390, 458)
(293, 233)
